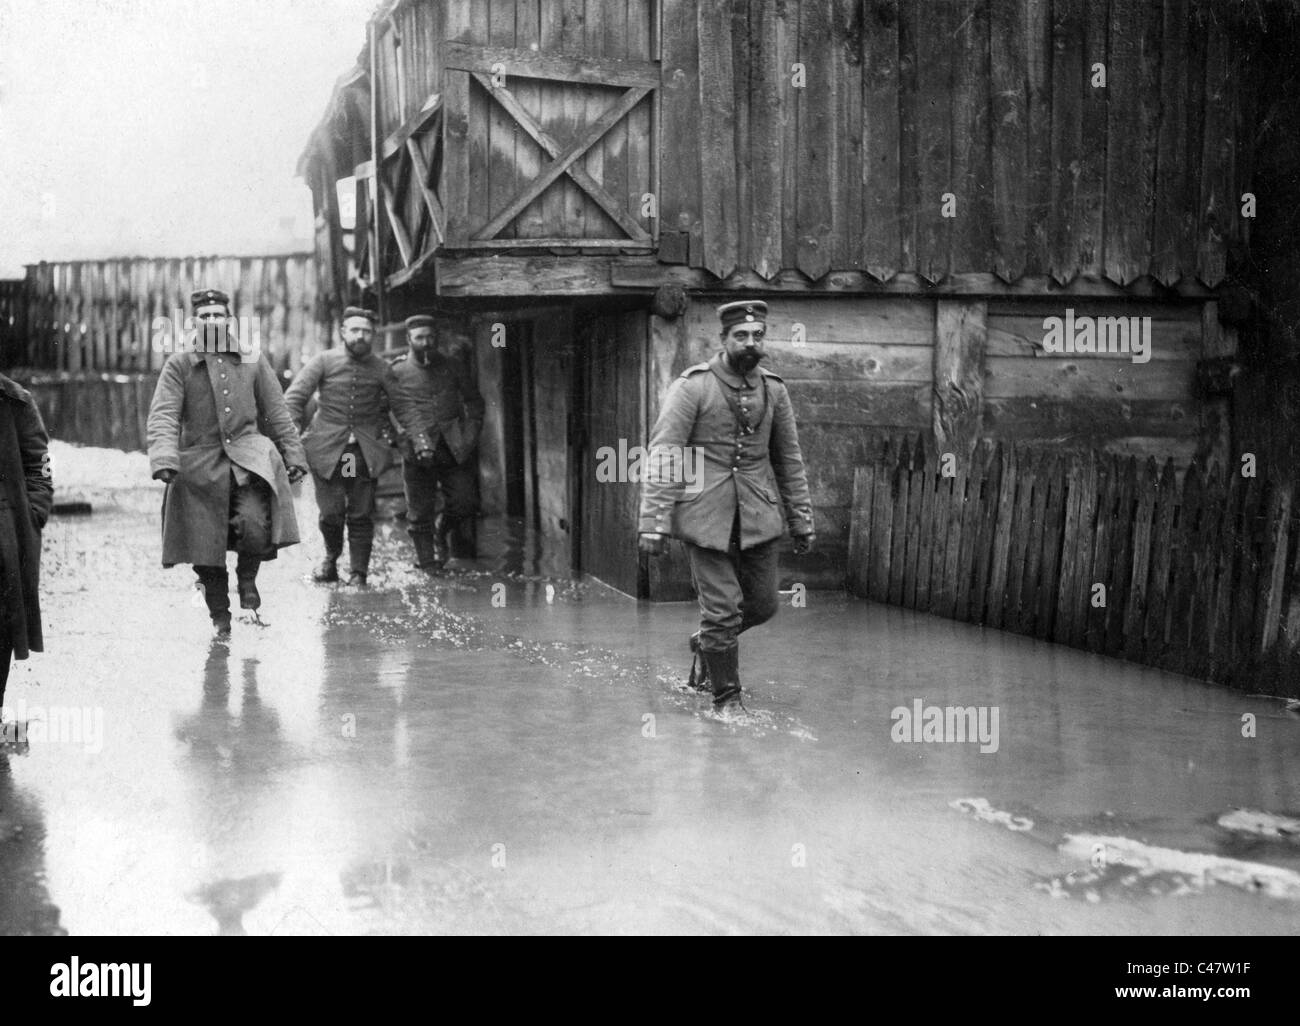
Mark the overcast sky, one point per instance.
(162, 127)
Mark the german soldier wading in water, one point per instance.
(738, 417)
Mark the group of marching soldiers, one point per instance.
(229, 444)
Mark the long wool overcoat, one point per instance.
(205, 414)
(26, 495)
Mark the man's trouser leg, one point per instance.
(331, 502)
(359, 512)
(421, 486)
(250, 535)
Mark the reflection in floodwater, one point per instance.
(25, 906)
(504, 750)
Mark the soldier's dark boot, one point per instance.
(360, 539)
(429, 556)
(328, 571)
(699, 678)
(724, 672)
(442, 526)
(246, 568)
(463, 538)
(215, 581)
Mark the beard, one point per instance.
(422, 355)
(745, 361)
(358, 350)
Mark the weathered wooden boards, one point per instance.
(87, 408)
(99, 315)
(1195, 572)
(1068, 137)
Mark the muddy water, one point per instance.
(500, 751)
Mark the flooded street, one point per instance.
(505, 752)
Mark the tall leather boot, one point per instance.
(442, 526)
(361, 536)
(429, 556)
(328, 571)
(246, 568)
(216, 593)
(699, 678)
(463, 538)
(724, 671)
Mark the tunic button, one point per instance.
(227, 409)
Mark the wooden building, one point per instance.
(915, 186)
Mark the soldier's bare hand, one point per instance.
(653, 544)
(803, 544)
(166, 476)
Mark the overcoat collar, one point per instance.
(10, 389)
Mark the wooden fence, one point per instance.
(13, 320)
(99, 315)
(1198, 573)
(91, 408)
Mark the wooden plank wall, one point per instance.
(99, 315)
(1096, 400)
(613, 354)
(92, 408)
(500, 157)
(991, 101)
(1197, 571)
(13, 321)
(866, 365)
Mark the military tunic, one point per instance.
(729, 515)
(353, 403)
(749, 475)
(447, 417)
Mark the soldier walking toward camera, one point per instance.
(26, 495)
(346, 444)
(438, 455)
(739, 417)
(227, 482)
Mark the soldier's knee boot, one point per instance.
(442, 527)
(328, 570)
(699, 678)
(246, 567)
(215, 582)
(428, 555)
(724, 672)
(361, 535)
(463, 538)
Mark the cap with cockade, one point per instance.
(743, 310)
(209, 297)
(360, 311)
(419, 321)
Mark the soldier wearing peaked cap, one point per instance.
(738, 416)
(346, 443)
(227, 482)
(439, 456)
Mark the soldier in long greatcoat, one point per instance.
(738, 417)
(26, 496)
(228, 484)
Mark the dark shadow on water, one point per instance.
(25, 906)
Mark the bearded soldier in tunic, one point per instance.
(346, 443)
(739, 419)
(447, 417)
(227, 482)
